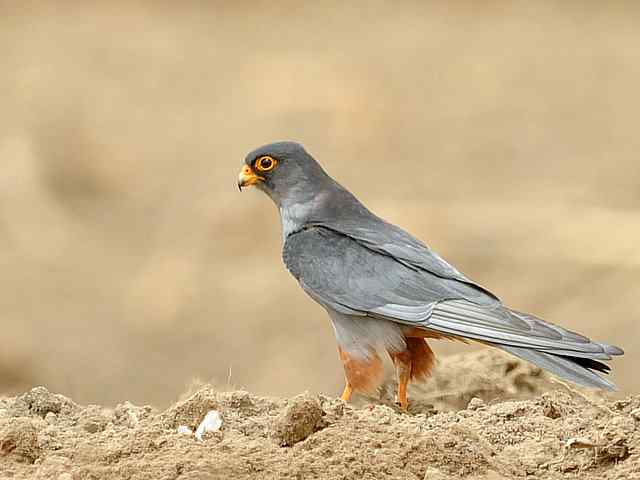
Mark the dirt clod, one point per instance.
(39, 401)
(301, 418)
(550, 408)
(130, 415)
(192, 410)
(94, 419)
(19, 439)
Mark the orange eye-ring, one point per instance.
(266, 163)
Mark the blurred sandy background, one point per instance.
(505, 134)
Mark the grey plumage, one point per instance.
(376, 280)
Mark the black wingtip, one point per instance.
(588, 363)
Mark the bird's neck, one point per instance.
(328, 206)
(294, 215)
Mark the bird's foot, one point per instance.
(346, 393)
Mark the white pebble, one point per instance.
(212, 423)
(184, 430)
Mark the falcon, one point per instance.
(386, 292)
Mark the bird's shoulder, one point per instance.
(312, 245)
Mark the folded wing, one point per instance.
(352, 277)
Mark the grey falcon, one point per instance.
(387, 292)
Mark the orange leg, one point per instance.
(402, 389)
(346, 394)
(415, 363)
(403, 368)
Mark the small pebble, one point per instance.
(184, 430)
(475, 403)
(579, 443)
(212, 423)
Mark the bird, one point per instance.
(387, 293)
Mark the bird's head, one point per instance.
(285, 172)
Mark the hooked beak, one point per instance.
(248, 177)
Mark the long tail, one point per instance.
(565, 353)
(579, 370)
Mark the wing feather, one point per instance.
(343, 274)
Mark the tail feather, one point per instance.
(565, 353)
(576, 369)
(588, 363)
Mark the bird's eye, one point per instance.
(266, 163)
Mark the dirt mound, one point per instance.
(559, 434)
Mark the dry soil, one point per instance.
(498, 425)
